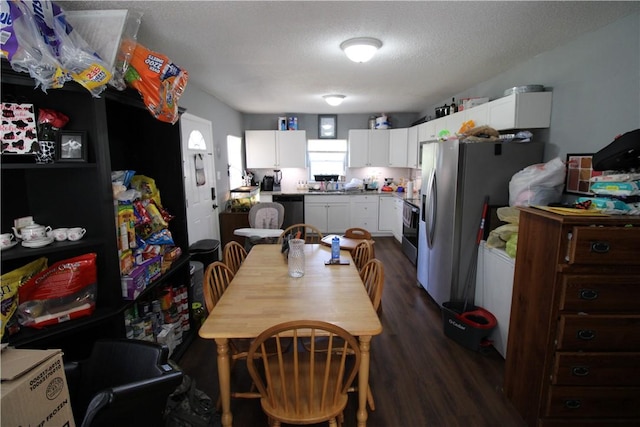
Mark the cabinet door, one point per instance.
(358, 148)
(261, 149)
(292, 149)
(502, 113)
(521, 111)
(412, 147)
(398, 147)
(316, 214)
(337, 217)
(479, 115)
(387, 213)
(450, 123)
(427, 131)
(397, 222)
(379, 147)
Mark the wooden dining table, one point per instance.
(262, 295)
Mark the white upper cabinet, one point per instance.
(427, 131)
(412, 147)
(398, 139)
(269, 149)
(368, 147)
(479, 115)
(521, 111)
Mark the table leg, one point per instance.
(363, 380)
(224, 380)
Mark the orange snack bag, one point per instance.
(157, 79)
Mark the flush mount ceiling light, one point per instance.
(361, 49)
(334, 100)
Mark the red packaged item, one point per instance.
(66, 290)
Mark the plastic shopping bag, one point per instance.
(538, 184)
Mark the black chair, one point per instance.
(123, 383)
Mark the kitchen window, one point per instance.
(326, 157)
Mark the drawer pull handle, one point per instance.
(600, 247)
(572, 404)
(588, 294)
(580, 371)
(586, 334)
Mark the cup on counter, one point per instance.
(75, 233)
(59, 234)
(6, 239)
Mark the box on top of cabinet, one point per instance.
(34, 389)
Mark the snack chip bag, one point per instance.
(158, 80)
(10, 285)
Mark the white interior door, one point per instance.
(199, 178)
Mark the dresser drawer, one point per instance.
(605, 245)
(599, 332)
(596, 369)
(586, 402)
(600, 293)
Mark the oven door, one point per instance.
(410, 220)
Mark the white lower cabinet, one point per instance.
(330, 214)
(387, 213)
(364, 212)
(397, 221)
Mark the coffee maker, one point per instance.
(277, 179)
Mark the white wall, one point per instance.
(595, 81)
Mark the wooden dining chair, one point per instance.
(372, 275)
(361, 254)
(308, 232)
(233, 255)
(300, 386)
(357, 233)
(217, 278)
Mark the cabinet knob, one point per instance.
(580, 371)
(572, 404)
(586, 334)
(588, 294)
(600, 247)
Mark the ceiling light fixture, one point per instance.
(334, 100)
(361, 49)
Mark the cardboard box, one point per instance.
(34, 389)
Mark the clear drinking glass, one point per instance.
(296, 257)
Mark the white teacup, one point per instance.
(75, 233)
(59, 234)
(6, 239)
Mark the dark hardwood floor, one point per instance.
(419, 377)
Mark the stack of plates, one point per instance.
(523, 89)
(37, 243)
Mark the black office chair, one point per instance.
(122, 383)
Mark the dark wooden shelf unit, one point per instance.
(121, 134)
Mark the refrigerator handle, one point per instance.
(422, 208)
(433, 209)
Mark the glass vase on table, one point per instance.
(296, 258)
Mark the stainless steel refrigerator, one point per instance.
(456, 177)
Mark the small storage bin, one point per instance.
(469, 328)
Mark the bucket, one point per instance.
(469, 328)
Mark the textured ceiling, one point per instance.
(282, 56)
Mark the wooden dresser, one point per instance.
(573, 355)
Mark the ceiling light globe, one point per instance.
(334, 100)
(361, 49)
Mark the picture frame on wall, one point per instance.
(327, 126)
(579, 174)
(72, 146)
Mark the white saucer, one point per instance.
(37, 243)
(15, 242)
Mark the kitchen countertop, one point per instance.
(414, 199)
